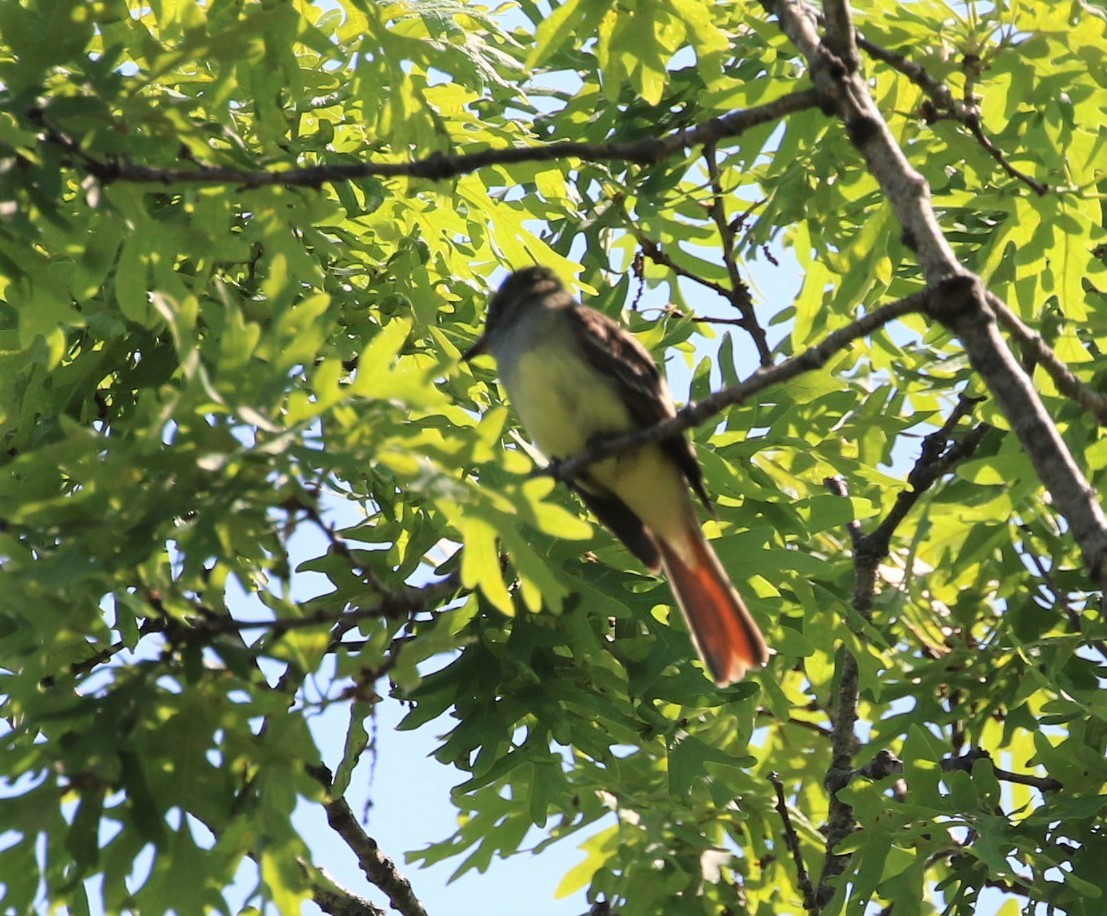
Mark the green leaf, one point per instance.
(357, 739)
(597, 849)
(480, 563)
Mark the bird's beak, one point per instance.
(477, 349)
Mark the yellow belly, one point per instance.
(563, 402)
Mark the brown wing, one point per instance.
(618, 354)
(624, 524)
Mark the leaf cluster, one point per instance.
(243, 477)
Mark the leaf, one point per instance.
(357, 739)
(688, 758)
(597, 848)
(82, 841)
(96, 260)
(480, 563)
(566, 20)
(548, 517)
(131, 284)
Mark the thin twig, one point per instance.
(965, 763)
(653, 251)
(147, 627)
(792, 720)
(739, 293)
(1050, 586)
(791, 839)
(943, 104)
(393, 604)
(837, 486)
(972, 67)
(937, 91)
(715, 319)
(975, 128)
(936, 457)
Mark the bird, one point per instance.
(575, 376)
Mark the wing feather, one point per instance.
(619, 355)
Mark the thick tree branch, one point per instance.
(960, 302)
(848, 96)
(440, 166)
(335, 900)
(841, 37)
(378, 868)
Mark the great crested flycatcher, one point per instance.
(574, 375)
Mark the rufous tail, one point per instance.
(725, 635)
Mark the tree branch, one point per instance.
(869, 551)
(739, 294)
(936, 457)
(791, 839)
(1057, 596)
(697, 412)
(965, 763)
(972, 122)
(959, 300)
(440, 166)
(943, 104)
(843, 741)
(792, 720)
(1033, 345)
(937, 91)
(393, 604)
(378, 868)
(841, 36)
(335, 900)
(654, 252)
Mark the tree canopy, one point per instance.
(242, 246)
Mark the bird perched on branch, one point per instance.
(575, 376)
